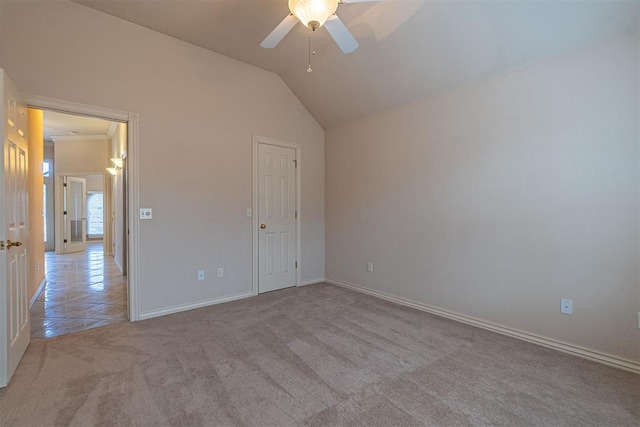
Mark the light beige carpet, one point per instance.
(316, 355)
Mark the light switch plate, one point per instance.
(146, 213)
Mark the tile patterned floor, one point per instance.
(84, 290)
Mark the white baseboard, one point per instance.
(565, 347)
(312, 281)
(184, 307)
(36, 294)
(118, 265)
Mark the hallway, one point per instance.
(84, 290)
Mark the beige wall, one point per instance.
(35, 274)
(498, 199)
(95, 182)
(118, 148)
(197, 113)
(49, 152)
(1, 32)
(80, 157)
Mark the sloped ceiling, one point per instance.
(409, 49)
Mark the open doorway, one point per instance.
(85, 215)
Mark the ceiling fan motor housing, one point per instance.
(313, 13)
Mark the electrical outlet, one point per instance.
(370, 267)
(566, 306)
(200, 275)
(220, 272)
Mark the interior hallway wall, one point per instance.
(498, 199)
(197, 114)
(118, 148)
(80, 157)
(35, 136)
(50, 202)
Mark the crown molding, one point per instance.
(61, 138)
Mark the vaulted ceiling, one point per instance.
(409, 49)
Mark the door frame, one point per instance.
(58, 206)
(131, 184)
(64, 220)
(257, 140)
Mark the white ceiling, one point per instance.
(409, 49)
(60, 126)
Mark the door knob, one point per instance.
(263, 225)
(10, 244)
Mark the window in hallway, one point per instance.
(95, 215)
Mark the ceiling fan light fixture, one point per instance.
(313, 13)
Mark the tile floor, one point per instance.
(84, 290)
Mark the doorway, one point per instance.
(276, 207)
(86, 284)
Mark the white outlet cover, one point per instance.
(146, 213)
(566, 306)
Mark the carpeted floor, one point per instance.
(316, 355)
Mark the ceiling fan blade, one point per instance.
(279, 32)
(341, 34)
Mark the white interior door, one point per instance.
(14, 214)
(276, 217)
(75, 214)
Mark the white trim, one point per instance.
(133, 194)
(257, 139)
(312, 281)
(132, 183)
(585, 353)
(186, 307)
(36, 294)
(115, 260)
(74, 107)
(63, 138)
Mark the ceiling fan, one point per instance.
(315, 14)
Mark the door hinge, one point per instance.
(296, 214)
(64, 212)
(1, 245)
(64, 241)
(296, 264)
(64, 185)
(295, 163)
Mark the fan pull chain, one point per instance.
(312, 50)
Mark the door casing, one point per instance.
(257, 140)
(132, 182)
(63, 232)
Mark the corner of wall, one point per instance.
(35, 136)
